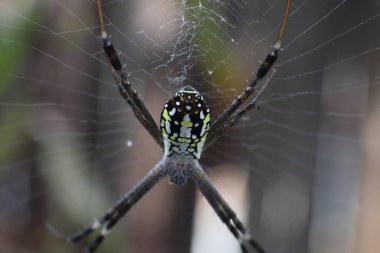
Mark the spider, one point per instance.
(183, 133)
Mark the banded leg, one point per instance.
(125, 203)
(240, 113)
(223, 210)
(260, 74)
(125, 86)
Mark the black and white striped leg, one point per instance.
(125, 203)
(125, 86)
(248, 91)
(263, 69)
(234, 118)
(223, 210)
(128, 92)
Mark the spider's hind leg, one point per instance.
(116, 212)
(224, 211)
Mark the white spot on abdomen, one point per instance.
(172, 112)
(186, 118)
(202, 115)
(203, 129)
(185, 131)
(167, 127)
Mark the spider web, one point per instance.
(301, 170)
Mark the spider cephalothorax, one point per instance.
(184, 124)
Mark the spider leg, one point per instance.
(125, 86)
(234, 118)
(260, 74)
(122, 206)
(237, 102)
(223, 210)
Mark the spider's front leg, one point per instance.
(125, 86)
(223, 210)
(237, 102)
(234, 118)
(264, 68)
(115, 213)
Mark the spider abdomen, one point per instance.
(184, 124)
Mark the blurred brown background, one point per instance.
(302, 171)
